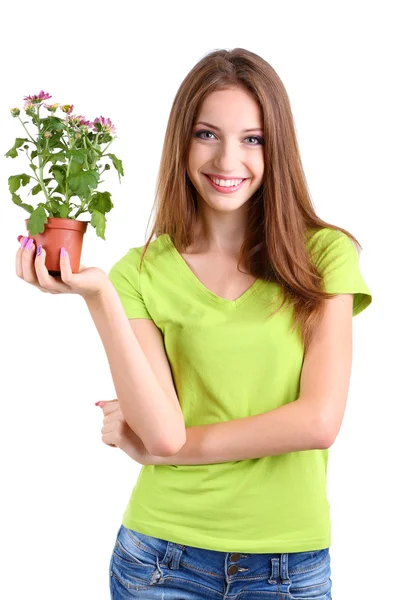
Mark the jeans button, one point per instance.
(234, 557)
(233, 569)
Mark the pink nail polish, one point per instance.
(29, 244)
(23, 242)
(63, 253)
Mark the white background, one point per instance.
(63, 490)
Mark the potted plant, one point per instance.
(68, 155)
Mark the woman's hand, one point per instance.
(116, 432)
(31, 268)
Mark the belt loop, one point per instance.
(173, 555)
(274, 570)
(284, 569)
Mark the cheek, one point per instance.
(258, 167)
(199, 154)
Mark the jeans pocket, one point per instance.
(135, 561)
(310, 575)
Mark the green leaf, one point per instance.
(38, 188)
(37, 220)
(83, 182)
(78, 155)
(56, 142)
(55, 124)
(14, 181)
(117, 164)
(64, 210)
(59, 174)
(57, 156)
(17, 200)
(34, 154)
(35, 190)
(101, 202)
(74, 168)
(58, 190)
(99, 222)
(54, 205)
(12, 153)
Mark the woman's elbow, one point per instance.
(173, 443)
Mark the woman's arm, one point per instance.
(149, 411)
(311, 422)
(289, 428)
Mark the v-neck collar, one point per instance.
(187, 271)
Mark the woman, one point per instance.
(229, 341)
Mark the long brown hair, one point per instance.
(281, 215)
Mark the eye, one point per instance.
(259, 138)
(199, 134)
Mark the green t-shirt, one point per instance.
(228, 361)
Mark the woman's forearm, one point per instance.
(289, 428)
(145, 406)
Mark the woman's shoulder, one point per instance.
(324, 241)
(324, 234)
(132, 257)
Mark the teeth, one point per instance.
(226, 182)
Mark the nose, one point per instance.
(227, 158)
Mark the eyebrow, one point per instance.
(218, 129)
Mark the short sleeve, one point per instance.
(125, 277)
(338, 262)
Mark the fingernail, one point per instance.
(63, 253)
(29, 244)
(19, 238)
(39, 250)
(24, 240)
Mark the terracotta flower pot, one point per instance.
(58, 233)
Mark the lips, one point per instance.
(224, 178)
(225, 189)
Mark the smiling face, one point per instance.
(230, 145)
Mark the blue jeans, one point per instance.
(147, 567)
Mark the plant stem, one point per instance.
(81, 210)
(69, 163)
(40, 174)
(109, 143)
(33, 176)
(23, 125)
(84, 143)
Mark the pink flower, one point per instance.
(51, 107)
(104, 124)
(29, 107)
(37, 98)
(79, 121)
(67, 108)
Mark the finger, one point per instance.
(18, 257)
(109, 437)
(114, 417)
(46, 281)
(18, 262)
(110, 406)
(65, 267)
(28, 253)
(109, 443)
